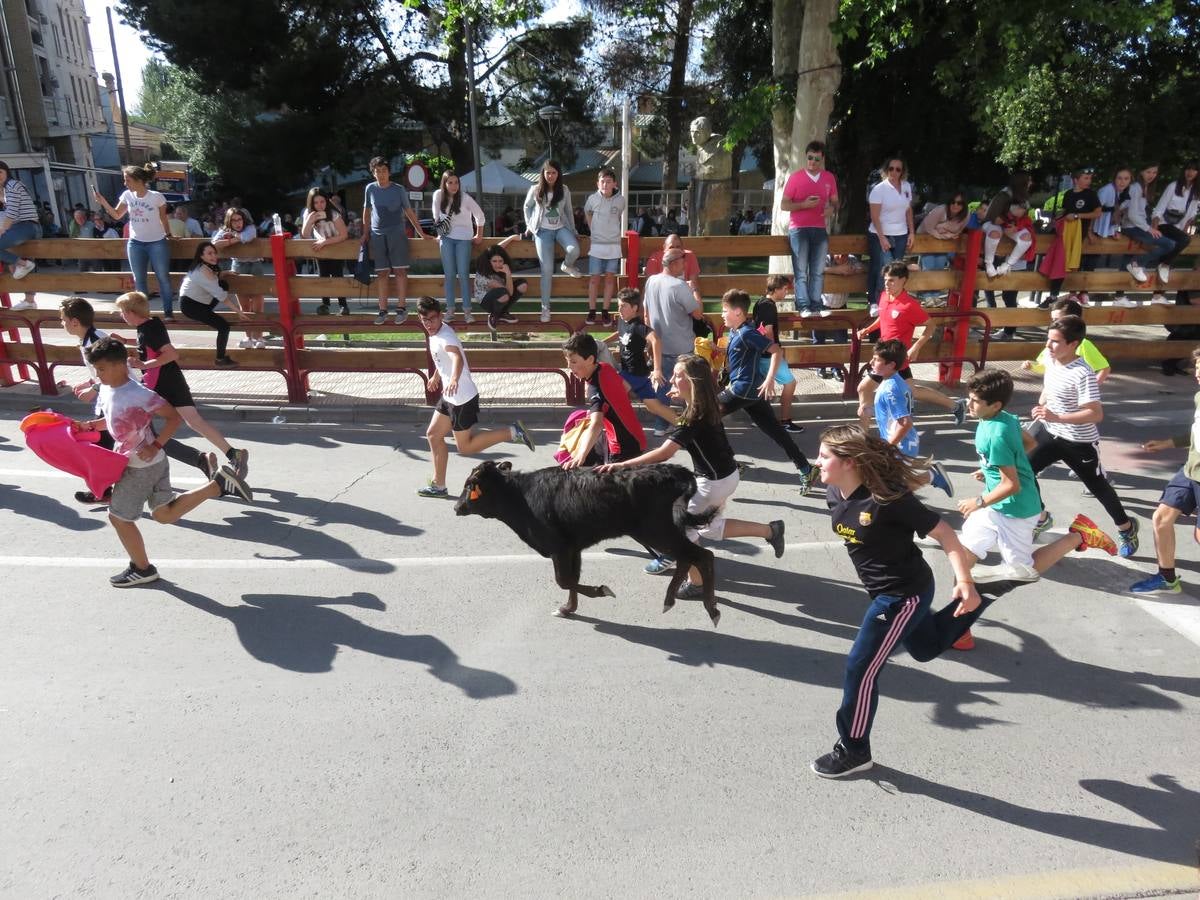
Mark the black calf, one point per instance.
(559, 513)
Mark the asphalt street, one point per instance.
(343, 690)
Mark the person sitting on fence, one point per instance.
(603, 211)
(1114, 201)
(325, 226)
(495, 288)
(238, 229)
(200, 293)
(996, 219)
(552, 221)
(1174, 215)
(766, 320)
(1078, 208)
(1138, 227)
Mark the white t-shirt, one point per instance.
(128, 414)
(462, 224)
(145, 223)
(893, 207)
(1066, 389)
(443, 361)
(606, 224)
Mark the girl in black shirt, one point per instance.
(701, 433)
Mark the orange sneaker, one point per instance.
(966, 642)
(1092, 536)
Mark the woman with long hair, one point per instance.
(465, 219)
(1138, 227)
(1174, 214)
(890, 203)
(496, 290)
(550, 219)
(238, 228)
(201, 291)
(149, 231)
(18, 223)
(700, 431)
(946, 223)
(325, 226)
(1114, 201)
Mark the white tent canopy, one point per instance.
(497, 179)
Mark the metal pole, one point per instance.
(471, 100)
(626, 157)
(112, 40)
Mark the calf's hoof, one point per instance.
(668, 604)
(566, 611)
(715, 615)
(606, 591)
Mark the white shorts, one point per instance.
(987, 530)
(710, 494)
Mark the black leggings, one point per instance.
(205, 314)
(1084, 460)
(496, 302)
(332, 268)
(761, 413)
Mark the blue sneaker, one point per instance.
(658, 565)
(1128, 539)
(960, 410)
(433, 490)
(521, 434)
(1156, 584)
(1044, 524)
(939, 479)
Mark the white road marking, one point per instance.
(55, 473)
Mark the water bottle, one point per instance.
(278, 223)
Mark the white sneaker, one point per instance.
(570, 270)
(1160, 300)
(806, 313)
(1138, 273)
(1123, 301)
(1164, 273)
(1004, 572)
(874, 310)
(24, 304)
(1003, 269)
(246, 344)
(990, 267)
(825, 313)
(545, 316)
(260, 344)
(23, 268)
(468, 318)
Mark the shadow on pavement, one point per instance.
(47, 509)
(303, 634)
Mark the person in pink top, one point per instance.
(810, 196)
(899, 317)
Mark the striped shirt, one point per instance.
(1066, 389)
(18, 205)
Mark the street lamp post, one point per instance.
(551, 117)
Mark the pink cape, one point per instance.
(49, 435)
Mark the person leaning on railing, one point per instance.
(18, 224)
(324, 225)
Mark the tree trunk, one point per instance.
(804, 46)
(674, 104)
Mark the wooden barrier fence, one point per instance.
(36, 358)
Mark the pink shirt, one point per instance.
(801, 186)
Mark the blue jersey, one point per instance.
(894, 400)
(746, 347)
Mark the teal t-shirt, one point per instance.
(998, 442)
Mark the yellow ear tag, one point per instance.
(475, 494)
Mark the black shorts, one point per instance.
(462, 417)
(905, 373)
(173, 389)
(1181, 493)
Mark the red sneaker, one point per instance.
(966, 642)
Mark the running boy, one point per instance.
(640, 349)
(749, 387)
(603, 211)
(893, 414)
(159, 362)
(1088, 351)
(608, 401)
(899, 316)
(1179, 498)
(1070, 409)
(129, 408)
(457, 411)
(766, 320)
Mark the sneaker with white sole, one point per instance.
(260, 344)
(1160, 300)
(468, 318)
(521, 434)
(246, 344)
(939, 479)
(807, 478)
(1164, 273)
(689, 591)
(1004, 572)
(433, 490)
(570, 270)
(133, 576)
(1042, 525)
(841, 762)
(658, 565)
(1138, 273)
(1157, 584)
(401, 315)
(990, 268)
(24, 304)
(23, 268)
(1124, 302)
(381, 317)
(545, 316)
(232, 484)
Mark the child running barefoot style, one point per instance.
(749, 387)
(899, 316)
(700, 432)
(766, 320)
(159, 362)
(1070, 409)
(1179, 498)
(1088, 351)
(641, 356)
(893, 414)
(877, 518)
(458, 410)
(129, 408)
(200, 293)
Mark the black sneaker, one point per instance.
(508, 319)
(323, 309)
(208, 465)
(776, 538)
(491, 322)
(839, 375)
(240, 460)
(605, 317)
(225, 361)
(841, 762)
(232, 484)
(591, 317)
(793, 427)
(133, 576)
(91, 499)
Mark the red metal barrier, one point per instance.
(961, 301)
(6, 379)
(289, 308)
(633, 259)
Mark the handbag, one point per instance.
(443, 226)
(363, 268)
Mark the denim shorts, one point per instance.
(597, 266)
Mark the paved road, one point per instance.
(344, 690)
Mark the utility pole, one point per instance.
(112, 40)
(474, 119)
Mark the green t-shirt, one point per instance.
(1088, 352)
(998, 442)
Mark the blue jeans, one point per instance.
(879, 259)
(934, 262)
(18, 233)
(545, 239)
(1156, 247)
(144, 255)
(809, 249)
(456, 264)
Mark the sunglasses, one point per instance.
(895, 168)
